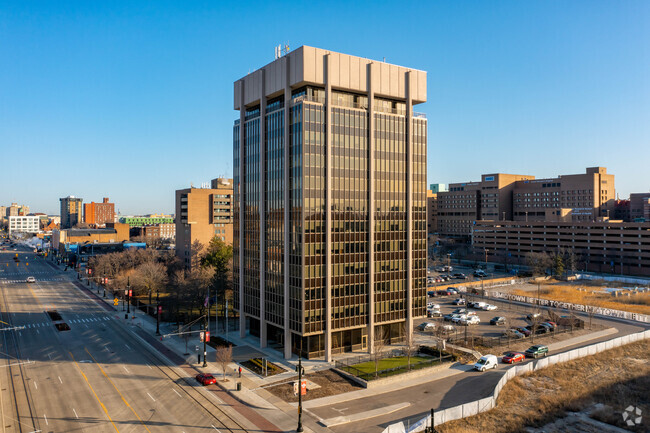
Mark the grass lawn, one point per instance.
(388, 363)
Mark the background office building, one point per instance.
(201, 214)
(330, 202)
(510, 197)
(98, 214)
(640, 207)
(24, 224)
(71, 211)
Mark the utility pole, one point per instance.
(300, 373)
(157, 312)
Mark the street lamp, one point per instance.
(157, 312)
(300, 373)
(128, 294)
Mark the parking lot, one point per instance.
(436, 272)
(514, 315)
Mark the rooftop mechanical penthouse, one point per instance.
(330, 202)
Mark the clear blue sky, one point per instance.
(133, 99)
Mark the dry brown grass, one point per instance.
(635, 303)
(617, 378)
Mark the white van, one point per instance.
(486, 362)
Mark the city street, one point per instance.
(95, 377)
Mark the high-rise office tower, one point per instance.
(330, 202)
(71, 208)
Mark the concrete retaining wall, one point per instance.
(396, 378)
(488, 403)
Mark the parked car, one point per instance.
(513, 333)
(489, 307)
(205, 379)
(478, 305)
(426, 326)
(549, 324)
(460, 311)
(524, 331)
(480, 274)
(536, 351)
(470, 320)
(458, 317)
(499, 320)
(433, 306)
(512, 357)
(486, 362)
(459, 301)
(434, 313)
(431, 293)
(448, 328)
(448, 317)
(533, 316)
(30, 280)
(460, 276)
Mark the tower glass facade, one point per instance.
(355, 200)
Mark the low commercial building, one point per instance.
(141, 221)
(156, 231)
(607, 246)
(432, 212)
(24, 224)
(113, 233)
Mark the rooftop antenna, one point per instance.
(281, 50)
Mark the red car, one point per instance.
(512, 357)
(205, 379)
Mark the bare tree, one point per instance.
(378, 346)
(410, 348)
(224, 357)
(149, 277)
(539, 263)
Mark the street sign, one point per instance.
(303, 387)
(207, 336)
(116, 301)
(159, 309)
(201, 336)
(130, 293)
(126, 293)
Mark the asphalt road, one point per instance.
(96, 377)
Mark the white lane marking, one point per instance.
(86, 326)
(215, 428)
(49, 356)
(148, 366)
(75, 413)
(177, 393)
(60, 380)
(45, 416)
(127, 370)
(35, 386)
(127, 346)
(151, 397)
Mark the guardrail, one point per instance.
(485, 404)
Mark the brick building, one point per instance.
(98, 214)
(201, 214)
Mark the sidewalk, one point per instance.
(267, 412)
